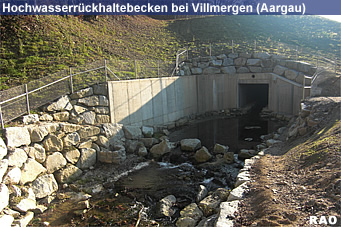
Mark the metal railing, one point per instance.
(19, 100)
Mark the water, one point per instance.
(135, 192)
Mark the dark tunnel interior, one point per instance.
(256, 95)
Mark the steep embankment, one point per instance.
(33, 46)
(300, 178)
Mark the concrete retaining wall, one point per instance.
(161, 101)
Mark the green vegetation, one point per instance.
(34, 46)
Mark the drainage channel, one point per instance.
(132, 198)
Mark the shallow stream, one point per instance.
(134, 196)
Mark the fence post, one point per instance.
(2, 120)
(303, 87)
(335, 66)
(255, 46)
(232, 47)
(105, 68)
(296, 52)
(27, 101)
(135, 69)
(71, 82)
(158, 68)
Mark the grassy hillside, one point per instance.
(33, 46)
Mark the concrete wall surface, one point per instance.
(160, 101)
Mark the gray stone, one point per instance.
(82, 93)
(87, 158)
(142, 151)
(202, 155)
(132, 145)
(13, 176)
(89, 131)
(52, 143)
(103, 100)
(113, 130)
(69, 128)
(238, 193)
(100, 89)
(216, 63)
(4, 196)
(211, 70)
(160, 149)
(68, 175)
(228, 62)
(271, 142)
(37, 152)
(242, 177)
(220, 149)
(245, 153)
(3, 168)
(86, 144)
(30, 119)
(190, 144)
(17, 157)
(6, 220)
(46, 117)
(38, 133)
(148, 132)
(254, 62)
(245, 55)
(240, 61)
(267, 63)
(44, 186)
(73, 155)
(229, 157)
(25, 204)
(149, 142)
(3, 149)
(89, 117)
(196, 71)
(89, 101)
(55, 162)
(166, 205)
(209, 221)
(227, 213)
(17, 136)
(290, 74)
(221, 56)
(103, 141)
(61, 116)
(79, 109)
(71, 139)
(209, 205)
(228, 70)
(233, 55)
(132, 132)
(203, 65)
(101, 119)
(261, 55)
(102, 110)
(202, 193)
(255, 69)
(30, 171)
(185, 222)
(25, 220)
(243, 70)
(60, 105)
(192, 210)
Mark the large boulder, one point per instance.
(227, 213)
(114, 132)
(13, 176)
(160, 149)
(211, 70)
(89, 117)
(202, 155)
(38, 133)
(17, 157)
(192, 211)
(220, 149)
(89, 101)
(53, 143)
(210, 205)
(71, 139)
(87, 158)
(44, 185)
(82, 93)
(116, 157)
(17, 136)
(3, 168)
(72, 155)
(55, 162)
(63, 103)
(3, 149)
(238, 193)
(4, 196)
(69, 128)
(27, 203)
(166, 206)
(69, 174)
(147, 131)
(30, 171)
(132, 132)
(37, 152)
(89, 131)
(190, 144)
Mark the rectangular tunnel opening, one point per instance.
(254, 95)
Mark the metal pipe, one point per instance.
(2, 120)
(105, 67)
(71, 82)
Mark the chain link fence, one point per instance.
(19, 100)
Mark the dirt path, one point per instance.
(298, 179)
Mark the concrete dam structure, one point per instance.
(211, 84)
